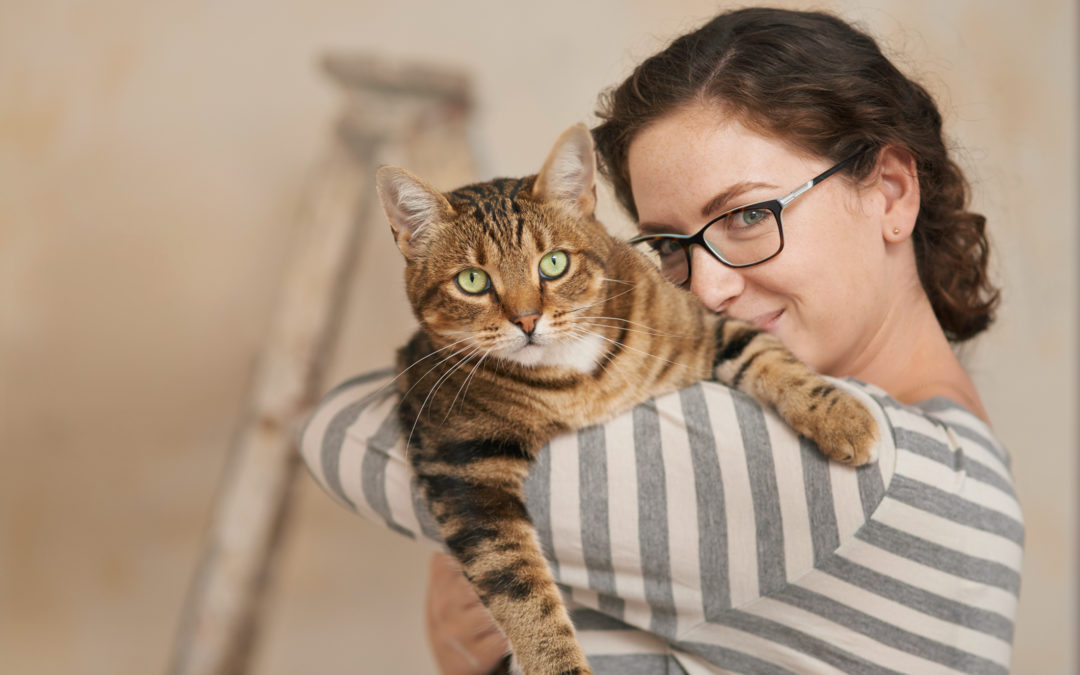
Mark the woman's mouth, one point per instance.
(768, 320)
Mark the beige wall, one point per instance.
(151, 160)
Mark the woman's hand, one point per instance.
(463, 638)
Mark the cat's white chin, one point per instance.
(529, 355)
(581, 354)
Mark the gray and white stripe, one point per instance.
(698, 534)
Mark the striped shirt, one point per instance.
(697, 533)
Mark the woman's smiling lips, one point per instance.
(767, 321)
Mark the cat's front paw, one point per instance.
(841, 426)
(514, 667)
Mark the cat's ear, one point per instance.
(569, 173)
(412, 206)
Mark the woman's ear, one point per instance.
(898, 180)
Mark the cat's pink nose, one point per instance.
(527, 322)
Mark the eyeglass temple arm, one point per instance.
(784, 201)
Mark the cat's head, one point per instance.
(513, 268)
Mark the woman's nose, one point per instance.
(716, 284)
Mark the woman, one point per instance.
(703, 549)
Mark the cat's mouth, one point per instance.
(531, 349)
(528, 354)
(565, 351)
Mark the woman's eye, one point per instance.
(473, 281)
(752, 217)
(665, 247)
(554, 264)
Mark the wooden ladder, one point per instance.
(414, 114)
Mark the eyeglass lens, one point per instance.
(742, 237)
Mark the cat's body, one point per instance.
(534, 321)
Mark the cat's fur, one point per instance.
(491, 377)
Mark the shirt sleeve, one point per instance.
(698, 500)
(697, 533)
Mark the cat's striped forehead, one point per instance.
(503, 209)
(484, 195)
(497, 202)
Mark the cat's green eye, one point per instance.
(554, 264)
(473, 281)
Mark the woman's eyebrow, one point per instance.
(654, 228)
(721, 200)
(724, 198)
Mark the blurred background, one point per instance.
(152, 159)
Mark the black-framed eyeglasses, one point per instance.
(742, 237)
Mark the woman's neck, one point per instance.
(942, 375)
(915, 362)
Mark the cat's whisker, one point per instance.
(431, 393)
(446, 378)
(619, 281)
(627, 329)
(437, 351)
(634, 349)
(424, 376)
(435, 387)
(420, 360)
(465, 385)
(634, 323)
(450, 371)
(580, 335)
(601, 301)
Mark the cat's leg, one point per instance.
(757, 363)
(475, 493)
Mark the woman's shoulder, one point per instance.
(951, 486)
(936, 426)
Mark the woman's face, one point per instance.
(830, 293)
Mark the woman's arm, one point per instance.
(698, 528)
(691, 502)
(463, 638)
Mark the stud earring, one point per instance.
(896, 230)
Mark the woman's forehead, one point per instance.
(710, 135)
(687, 159)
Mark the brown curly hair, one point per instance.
(823, 86)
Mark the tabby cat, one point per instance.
(534, 321)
